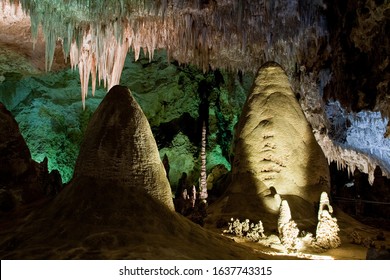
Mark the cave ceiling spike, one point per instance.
(97, 35)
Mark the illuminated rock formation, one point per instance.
(227, 34)
(275, 156)
(116, 206)
(327, 231)
(324, 205)
(203, 176)
(288, 230)
(222, 34)
(119, 147)
(284, 215)
(327, 228)
(275, 150)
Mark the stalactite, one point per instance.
(216, 35)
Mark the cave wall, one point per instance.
(173, 97)
(343, 58)
(359, 61)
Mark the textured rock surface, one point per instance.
(50, 115)
(181, 158)
(15, 157)
(101, 219)
(116, 205)
(22, 179)
(51, 119)
(275, 156)
(119, 146)
(360, 54)
(275, 146)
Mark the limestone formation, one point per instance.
(327, 231)
(119, 147)
(284, 215)
(275, 150)
(324, 204)
(288, 230)
(327, 228)
(251, 231)
(15, 157)
(203, 176)
(22, 179)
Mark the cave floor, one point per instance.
(154, 246)
(348, 250)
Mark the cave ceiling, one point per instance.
(331, 50)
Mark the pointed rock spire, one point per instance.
(119, 146)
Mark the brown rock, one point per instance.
(22, 177)
(119, 147)
(15, 157)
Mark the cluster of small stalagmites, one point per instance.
(326, 233)
(289, 234)
(251, 231)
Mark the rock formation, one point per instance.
(119, 147)
(117, 206)
(275, 147)
(327, 231)
(22, 180)
(203, 176)
(327, 228)
(324, 205)
(284, 215)
(288, 230)
(15, 157)
(275, 154)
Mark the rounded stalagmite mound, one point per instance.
(276, 154)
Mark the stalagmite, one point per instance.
(327, 228)
(275, 144)
(288, 230)
(203, 175)
(324, 204)
(284, 215)
(119, 148)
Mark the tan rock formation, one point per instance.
(275, 147)
(276, 156)
(119, 147)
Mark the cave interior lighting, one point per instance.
(97, 35)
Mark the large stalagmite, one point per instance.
(115, 207)
(276, 154)
(119, 147)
